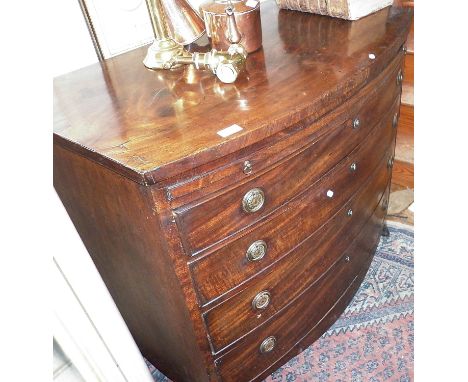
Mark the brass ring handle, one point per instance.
(256, 250)
(399, 79)
(268, 344)
(253, 200)
(261, 300)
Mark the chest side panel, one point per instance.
(121, 231)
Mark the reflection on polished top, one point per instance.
(151, 125)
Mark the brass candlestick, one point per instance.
(163, 49)
(167, 52)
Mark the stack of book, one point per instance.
(345, 9)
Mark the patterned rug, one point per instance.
(373, 340)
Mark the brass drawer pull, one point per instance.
(268, 344)
(395, 121)
(256, 250)
(330, 193)
(399, 79)
(261, 300)
(247, 167)
(356, 123)
(353, 167)
(350, 212)
(253, 200)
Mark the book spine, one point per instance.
(312, 6)
(335, 8)
(338, 8)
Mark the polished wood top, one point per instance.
(151, 125)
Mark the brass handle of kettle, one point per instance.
(234, 35)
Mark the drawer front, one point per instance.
(211, 220)
(368, 104)
(265, 295)
(228, 267)
(291, 325)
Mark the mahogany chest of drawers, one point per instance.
(232, 224)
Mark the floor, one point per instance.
(401, 204)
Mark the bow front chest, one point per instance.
(233, 223)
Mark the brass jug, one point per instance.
(219, 23)
(182, 22)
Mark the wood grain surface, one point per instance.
(150, 125)
(121, 232)
(297, 270)
(204, 222)
(307, 311)
(373, 100)
(155, 193)
(215, 274)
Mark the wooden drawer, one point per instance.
(303, 314)
(216, 273)
(294, 273)
(219, 215)
(368, 104)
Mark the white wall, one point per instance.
(73, 47)
(120, 26)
